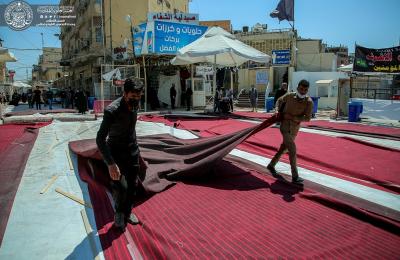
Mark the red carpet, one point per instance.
(16, 142)
(340, 157)
(379, 131)
(243, 214)
(252, 115)
(99, 105)
(42, 111)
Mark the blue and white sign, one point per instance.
(138, 36)
(170, 37)
(280, 57)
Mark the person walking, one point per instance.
(189, 93)
(280, 92)
(172, 95)
(116, 140)
(292, 108)
(37, 98)
(253, 96)
(49, 96)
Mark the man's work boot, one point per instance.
(272, 170)
(132, 219)
(119, 220)
(297, 180)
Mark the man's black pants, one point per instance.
(124, 190)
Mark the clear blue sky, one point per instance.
(371, 23)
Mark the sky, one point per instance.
(370, 23)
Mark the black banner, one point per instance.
(377, 60)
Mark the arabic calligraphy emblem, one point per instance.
(18, 15)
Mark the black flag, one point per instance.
(284, 10)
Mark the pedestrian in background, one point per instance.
(189, 93)
(37, 98)
(172, 95)
(49, 96)
(253, 96)
(280, 92)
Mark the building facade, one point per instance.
(48, 68)
(267, 41)
(101, 28)
(224, 24)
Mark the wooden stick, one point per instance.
(74, 198)
(89, 233)
(71, 166)
(52, 180)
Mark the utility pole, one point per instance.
(103, 33)
(42, 40)
(111, 48)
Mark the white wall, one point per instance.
(165, 84)
(312, 77)
(380, 109)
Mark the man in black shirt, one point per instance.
(280, 92)
(172, 95)
(116, 140)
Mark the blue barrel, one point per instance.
(91, 102)
(269, 104)
(353, 112)
(359, 105)
(315, 106)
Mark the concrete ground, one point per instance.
(50, 225)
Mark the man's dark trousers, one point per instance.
(124, 190)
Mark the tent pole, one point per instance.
(231, 80)
(191, 77)
(145, 83)
(215, 75)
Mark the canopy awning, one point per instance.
(324, 81)
(219, 47)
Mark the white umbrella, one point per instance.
(21, 85)
(6, 56)
(218, 47)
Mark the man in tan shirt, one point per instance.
(293, 108)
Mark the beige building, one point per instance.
(265, 41)
(48, 68)
(83, 45)
(3, 71)
(311, 56)
(224, 24)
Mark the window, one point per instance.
(99, 35)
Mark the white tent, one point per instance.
(218, 47)
(21, 85)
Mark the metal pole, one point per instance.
(145, 84)
(215, 75)
(231, 80)
(103, 31)
(110, 32)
